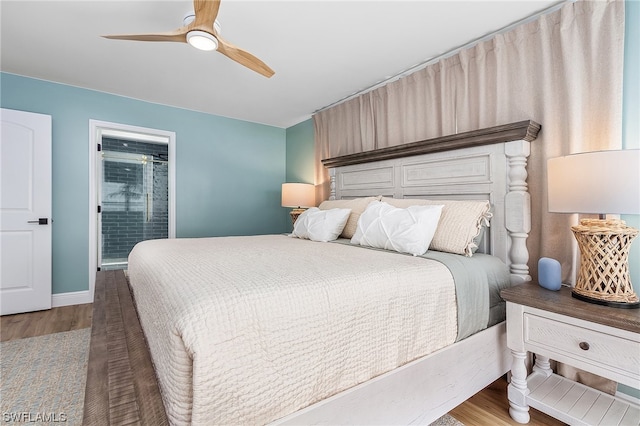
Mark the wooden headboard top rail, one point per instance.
(522, 130)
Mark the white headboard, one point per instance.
(488, 164)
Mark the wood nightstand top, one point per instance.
(561, 302)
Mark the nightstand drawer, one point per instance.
(593, 347)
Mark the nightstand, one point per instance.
(599, 339)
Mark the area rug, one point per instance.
(42, 379)
(447, 420)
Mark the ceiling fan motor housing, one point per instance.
(190, 17)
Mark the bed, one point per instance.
(275, 329)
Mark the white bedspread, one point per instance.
(245, 330)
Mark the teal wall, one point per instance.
(300, 152)
(631, 82)
(631, 129)
(211, 152)
(631, 114)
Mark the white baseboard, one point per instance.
(71, 298)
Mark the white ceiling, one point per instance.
(321, 51)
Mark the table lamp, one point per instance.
(300, 196)
(599, 182)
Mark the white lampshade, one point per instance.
(597, 182)
(298, 195)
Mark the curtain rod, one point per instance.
(447, 54)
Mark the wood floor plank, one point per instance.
(133, 396)
(490, 407)
(98, 370)
(39, 323)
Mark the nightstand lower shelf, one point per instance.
(577, 404)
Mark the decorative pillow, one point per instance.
(407, 230)
(460, 224)
(320, 225)
(357, 206)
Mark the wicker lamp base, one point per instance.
(603, 276)
(295, 213)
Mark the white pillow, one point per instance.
(357, 206)
(320, 225)
(461, 223)
(407, 230)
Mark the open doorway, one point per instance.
(134, 197)
(132, 191)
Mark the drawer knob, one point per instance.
(584, 346)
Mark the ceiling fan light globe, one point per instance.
(202, 40)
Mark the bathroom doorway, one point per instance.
(134, 190)
(134, 197)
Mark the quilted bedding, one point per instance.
(245, 330)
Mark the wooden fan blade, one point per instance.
(179, 35)
(244, 58)
(206, 12)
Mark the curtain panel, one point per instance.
(562, 70)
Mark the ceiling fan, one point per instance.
(202, 31)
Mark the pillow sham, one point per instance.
(407, 230)
(320, 225)
(357, 206)
(461, 222)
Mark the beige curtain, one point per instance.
(344, 129)
(563, 70)
(418, 107)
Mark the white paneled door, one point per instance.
(25, 212)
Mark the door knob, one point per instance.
(41, 221)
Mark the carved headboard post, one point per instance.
(518, 209)
(332, 183)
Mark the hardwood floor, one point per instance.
(39, 323)
(488, 407)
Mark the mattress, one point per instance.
(479, 280)
(246, 330)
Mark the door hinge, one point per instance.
(98, 269)
(99, 147)
(99, 209)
